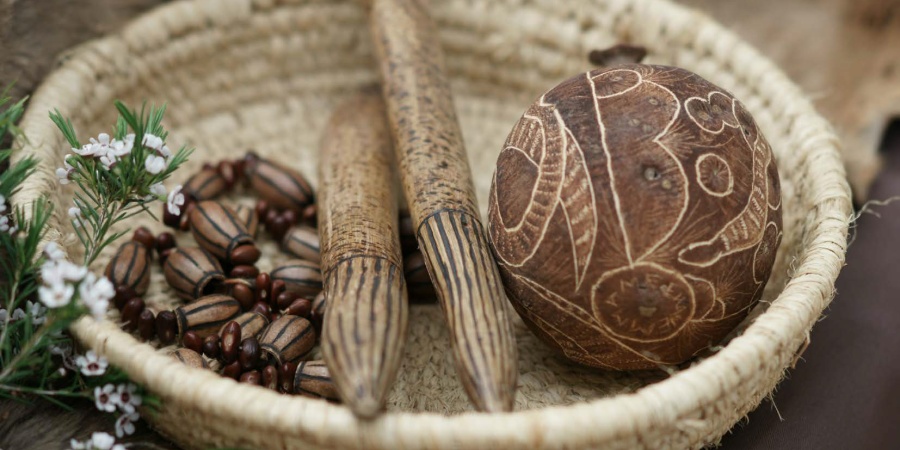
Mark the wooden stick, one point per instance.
(365, 322)
(439, 189)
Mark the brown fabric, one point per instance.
(845, 392)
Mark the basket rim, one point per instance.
(663, 405)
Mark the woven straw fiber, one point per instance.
(265, 74)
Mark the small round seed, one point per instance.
(270, 378)
(285, 299)
(211, 346)
(286, 374)
(165, 241)
(249, 354)
(244, 271)
(243, 294)
(145, 237)
(192, 341)
(130, 313)
(166, 327)
(245, 254)
(231, 336)
(147, 325)
(300, 307)
(262, 308)
(251, 377)
(123, 294)
(232, 370)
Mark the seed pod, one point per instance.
(218, 230)
(288, 338)
(130, 267)
(147, 325)
(251, 324)
(281, 187)
(270, 378)
(205, 185)
(317, 315)
(247, 216)
(418, 282)
(302, 241)
(189, 358)
(313, 380)
(302, 277)
(192, 272)
(207, 314)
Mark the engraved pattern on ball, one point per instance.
(635, 214)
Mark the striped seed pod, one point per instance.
(207, 315)
(302, 277)
(251, 322)
(189, 358)
(302, 241)
(313, 380)
(205, 185)
(130, 267)
(247, 216)
(218, 230)
(192, 272)
(281, 187)
(288, 338)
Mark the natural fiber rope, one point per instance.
(265, 74)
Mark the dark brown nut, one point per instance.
(278, 288)
(123, 294)
(262, 308)
(249, 354)
(226, 170)
(244, 295)
(269, 218)
(284, 299)
(263, 287)
(313, 380)
(130, 267)
(192, 341)
(270, 378)
(206, 184)
(207, 315)
(278, 228)
(147, 325)
(165, 241)
(192, 272)
(290, 217)
(166, 327)
(302, 277)
(211, 346)
(244, 271)
(248, 218)
(245, 254)
(281, 187)
(218, 230)
(131, 312)
(638, 240)
(250, 323)
(408, 242)
(232, 370)
(231, 339)
(418, 283)
(288, 338)
(302, 241)
(300, 308)
(262, 209)
(309, 214)
(189, 358)
(286, 373)
(251, 377)
(145, 237)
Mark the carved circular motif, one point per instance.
(634, 215)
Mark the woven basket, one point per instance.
(264, 74)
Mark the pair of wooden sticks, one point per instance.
(415, 125)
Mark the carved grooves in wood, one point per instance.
(472, 296)
(367, 311)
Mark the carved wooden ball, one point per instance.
(635, 214)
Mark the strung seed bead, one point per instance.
(313, 380)
(164, 256)
(211, 346)
(123, 294)
(263, 286)
(278, 288)
(288, 338)
(317, 315)
(165, 241)
(217, 229)
(309, 213)
(251, 323)
(290, 216)
(262, 308)
(282, 187)
(146, 325)
(286, 373)
(249, 354)
(300, 308)
(245, 255)
(145, 237)
(130, 313)
(130, 267)
(192, 272)
(262, 209)
(192, 341)
(285, 299)
(166, 327)
(232, 370)
(279, 227)
(244, 271)
(231, 338)
(302, 277)
(270, 378)
(243, 294)
(206, 184)
(302, 241)
(206, 315)
(269, 218)
(251, 377)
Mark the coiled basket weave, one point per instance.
(264, 74)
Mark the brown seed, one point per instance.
(288, 338)
(245, 254)
(226, 170)
(165, 241)
(281, 187)
(211, 346)
(300, 308)
(205, 185)
(189, 358)
(218, 230)
(262, 308)
(263, 287)
(286, 373)
(309, 214)
(313, 380)
(248, 217)
(269, 218)
(130, 267)
(231, 338)
(123, 294)
(284, 300)
(131, 312)
(302, 277)
(206, 315)
(164, 256)
(302, 241)
(244, 271)
(244, 295)
(166, 327)
(192, 341)
(251, 323)
(232, 370)
(270, 378)
(290, 217)
(147, 325)
(192, 272)
(278, 228)
(418, 283)
(145, 237)
(249, 353)
(262, 209)
(251, 377)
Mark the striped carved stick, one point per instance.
(365, 322)
(438, 186)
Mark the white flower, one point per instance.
(128, 398)
(4, 225)
(106, 398)
(121, 148)
(63, 349)
(175, 201)
(155, 164)
(152, 142)
(95, 293)
(56, 295)
(4, 314)
(63, 175)
(88, 150)
(77, 445)
(125, 424)
(101, 145)
(109, 160)
(18, 314)
(102, 441)
(38, 312)
(91, 364)
(53, 252)
(60, 271)
(2, 204)
(158, 189)
(118, 447)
